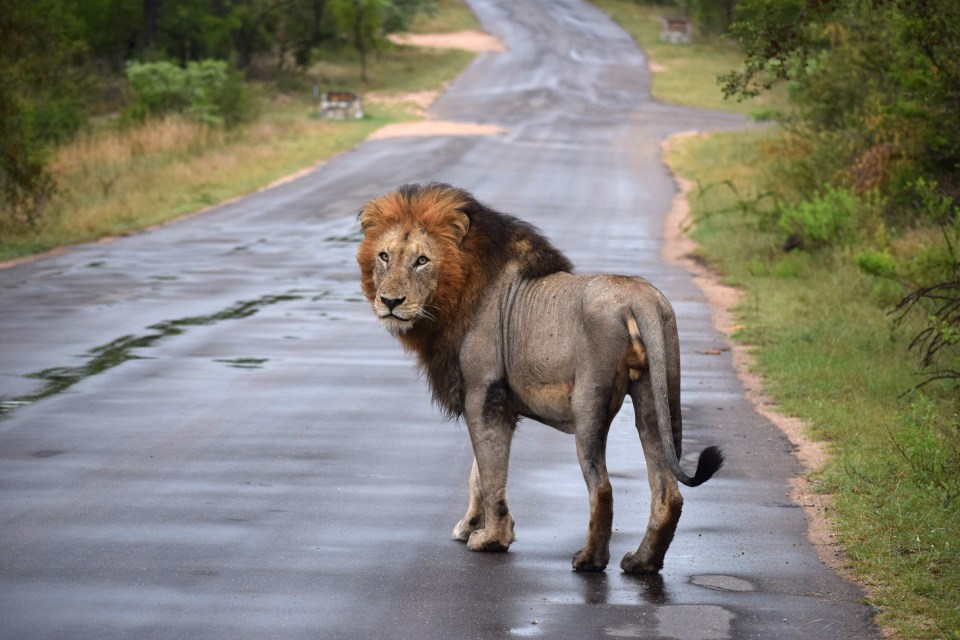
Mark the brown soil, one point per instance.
(476, 41)
(434, 128)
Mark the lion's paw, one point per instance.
(486, 541)
(635, 564)
(583, 561)
(463, 529)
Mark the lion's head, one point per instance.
(411, 261)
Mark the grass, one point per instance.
(451, 15)
(830, 355)
(112, 180)
(687, 74)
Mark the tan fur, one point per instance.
(504, 331)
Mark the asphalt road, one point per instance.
(205, 434)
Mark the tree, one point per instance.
(41, 102)
(877, 83)
(366, 23)
(362, 22)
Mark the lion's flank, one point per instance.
(469, 267)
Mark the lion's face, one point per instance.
(410, 259)
(405, 273)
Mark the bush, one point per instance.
(207, 91)
(827, 220)
(879, 264)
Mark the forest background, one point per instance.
(839, 219)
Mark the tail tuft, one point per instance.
(711, 459)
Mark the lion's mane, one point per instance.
(493, 241)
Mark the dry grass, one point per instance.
(121, 180)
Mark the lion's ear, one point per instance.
(367, 217)
(460, 223)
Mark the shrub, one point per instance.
(207, 91)
(826, 220)
(879, 264)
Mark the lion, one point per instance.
(503, 329)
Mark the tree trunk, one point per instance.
(151, 10)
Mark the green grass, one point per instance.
(451, 15)
(395, 69)
(687, 74)
(830, 355)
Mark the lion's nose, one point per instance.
(392, 303)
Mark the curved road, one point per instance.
(205, 434)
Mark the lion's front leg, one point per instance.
(473, 519)
(491, 448)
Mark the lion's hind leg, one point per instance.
(473, 519)
(665, 498)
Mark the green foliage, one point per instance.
(879, 264)
(207, 91)
(41, 103)
(876, 83)
(710, 16)
(826, 220)
(365, 24)
(362, 24)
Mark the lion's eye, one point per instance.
(383, 256)
(422, 260)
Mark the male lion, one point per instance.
(502, 329)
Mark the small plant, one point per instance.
(930, 446)
(879, 264)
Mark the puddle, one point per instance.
(244, 363)
(527, 631)
(46, 453)
(681, 622)
(105, 357)
(722, 583)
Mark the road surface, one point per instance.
(205, 434)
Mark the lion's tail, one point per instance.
(648, 330)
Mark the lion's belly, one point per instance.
(548, 403)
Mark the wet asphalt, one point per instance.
(205, 434)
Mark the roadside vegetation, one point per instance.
(120, 114)
(841, 225)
